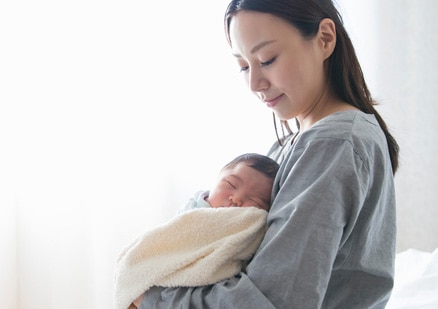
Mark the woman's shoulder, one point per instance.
(360, 130)
(356, 131)
(353, 126)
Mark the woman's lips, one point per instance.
(273, 102)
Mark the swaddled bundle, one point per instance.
(200, 247)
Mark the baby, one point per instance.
(245, 181)
(221, 227)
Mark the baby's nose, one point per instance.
(235, 200)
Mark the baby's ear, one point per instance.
(327, 36)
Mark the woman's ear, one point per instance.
(327, 36)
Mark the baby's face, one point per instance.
(241, 186)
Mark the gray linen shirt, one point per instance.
(330, 241)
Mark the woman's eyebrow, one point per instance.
(260, 45)
(256, 48)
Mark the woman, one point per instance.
(331, 228)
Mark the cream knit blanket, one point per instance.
(199, 247)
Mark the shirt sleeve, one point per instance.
(318, 195)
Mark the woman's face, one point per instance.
(283, 69)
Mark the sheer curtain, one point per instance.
(408, 66)
(396, 43)
(113, 113)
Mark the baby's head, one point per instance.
(245, 181)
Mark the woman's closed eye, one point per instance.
(262, 64)
(244, 68)
(266, 63)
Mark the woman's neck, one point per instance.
(326, 105)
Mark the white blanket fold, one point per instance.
(200, 247)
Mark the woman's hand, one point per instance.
(136, 303)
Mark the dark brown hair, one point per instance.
(344, 72)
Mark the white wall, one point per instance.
(111, 114)
(397, 43)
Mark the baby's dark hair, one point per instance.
(261, 163)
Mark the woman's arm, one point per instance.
(316, 190)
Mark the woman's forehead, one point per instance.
(250, 30)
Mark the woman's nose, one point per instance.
(257, 81)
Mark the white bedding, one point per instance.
(416, 280)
